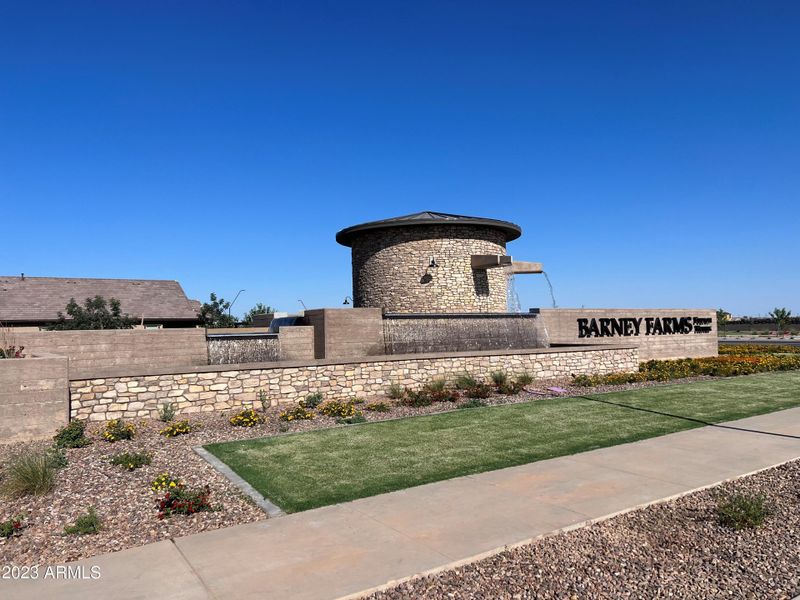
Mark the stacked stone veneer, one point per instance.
(390, 269)
(221, 388)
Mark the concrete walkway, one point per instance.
(346, 549)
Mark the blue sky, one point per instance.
(648, 150)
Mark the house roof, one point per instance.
(511, 230)
(39, 299)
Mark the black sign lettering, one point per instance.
(632, 326)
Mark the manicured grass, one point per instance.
(318, 468)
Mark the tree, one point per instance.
(781, 316)
(215, 313)
(723, 316)
(258, 309)
(96, 313)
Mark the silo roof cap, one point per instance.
(511, 230)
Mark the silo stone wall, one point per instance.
(390, 270)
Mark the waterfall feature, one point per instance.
(512, 297)
(550, 285)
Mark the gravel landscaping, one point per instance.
(677, 549)
(126, 504)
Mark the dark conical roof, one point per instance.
(511, 230)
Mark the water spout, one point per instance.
(550, 285)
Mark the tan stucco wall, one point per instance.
(562, 328)
(389, 269)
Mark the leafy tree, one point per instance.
(96, 313)
(258, 309)
(781, 316)
(215, 313)
(723, 316)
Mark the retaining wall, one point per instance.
(34, 397)
(130, 394)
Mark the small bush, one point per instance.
(582, 381)
(351, 420)
(465, 381)
(165, 481)
(177, 428)
(72, 435)
(416, 399)
(742, 511)
(396, 391)
(437, 385)
(472, 403)
(85, 524)
(131, 460)
(166, 412)
(377, 407)
(434, 391)
(523, 379)
(30, 473)
(57, 457)
(182, 501)
(297, 413)
(499, 378)
(312, 401)
(12, 527)
(335, 408)
(246, 418)
(116, 430)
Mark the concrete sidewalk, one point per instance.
(349, 548)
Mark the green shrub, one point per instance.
(177, 428)
(472, 403)
(246, 418)
(436, 386)
(312, 401)
(335, 408)
(166, 412)
(434, 391)
(396, 391)
(57, 457)
(85, 524)
(499, 378)
(351, 420)
(582, 381)
(165, 481)
(29, 473)
(416, 399)
(72, 435)
(465, 381)
(131, 460)
(523, 379)
(116, 430)
(296, 413)
(12, 527)
(742, 511)
(182, 501)
(377, 407)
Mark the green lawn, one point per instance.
(317, 468)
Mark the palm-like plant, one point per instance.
(781, 316)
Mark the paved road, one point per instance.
(752, 340)
(343, 550)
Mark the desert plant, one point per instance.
(358, 417)
(465, 381)
(396, 391)
(472, 403)
(263, 399)
(165, 481)
(499, 377)
(182, 501)
(312, 401)
(741, 511)
(12, 527)
(296, 413)
(29, 473)
(523, 379)
(85, 524)
(246, 418)
(166, 412)
(117, 429)
(782, 317)
(131, 460)
(177, 428)
(723, 316)
(8, 343)
(336, 408)
(72, 435)
(57, 457)
(377, 407)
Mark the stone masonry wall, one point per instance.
(214, 388)
(390, 270)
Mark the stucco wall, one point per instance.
(563, 328)
(34, 397)
(220, 388)
(389, 269)
(100, 349)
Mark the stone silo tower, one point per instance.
(432, 262)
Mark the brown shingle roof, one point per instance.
(39, 299)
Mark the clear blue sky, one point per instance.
(650, 151)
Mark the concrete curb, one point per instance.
(268, 507)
